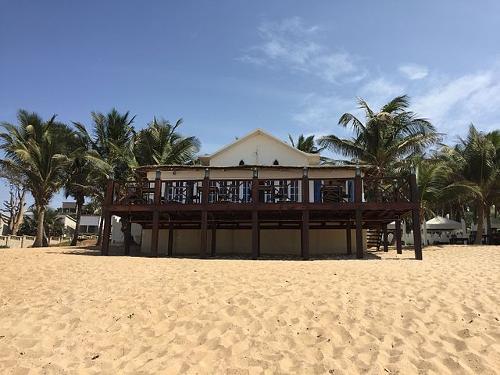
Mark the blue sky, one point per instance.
(227, 67)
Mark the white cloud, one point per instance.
(292, 44)
(379, 90)
(414, 71)
(453, 104)
(320, 114)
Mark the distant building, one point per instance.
(68, 208)
(4, 224)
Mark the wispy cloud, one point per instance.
(454, 103)
(293, 44)
(380, 90)
(414, 71)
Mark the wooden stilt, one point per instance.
(155, 232)
(213, 242)
(305, 235)
(359, 234)
(127, 236)
(415, 214)
(386, 238)
(255, 216)
(399, 245)
(170, 247)
(348, 239)
(105, 234)
(255, 235)
(204, 234)
(358, 195)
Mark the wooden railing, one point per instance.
(263, 191)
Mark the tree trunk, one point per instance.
(480, 223)
(79, 205)
(40, 227)
(488, 224)
(19, 217)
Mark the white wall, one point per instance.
(239, 242)
(117, 234)
(259, 149)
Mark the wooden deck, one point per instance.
(303, 203)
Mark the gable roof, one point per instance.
(312, 158)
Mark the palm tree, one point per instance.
(113, 132)
(160, 143)
(306, 144)
(36, 149)
(86, 168)
(386, 138)
(474, 160)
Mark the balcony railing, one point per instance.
(262, 191)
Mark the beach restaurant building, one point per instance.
(259, 196)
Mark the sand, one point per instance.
(66, 311)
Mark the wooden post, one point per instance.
(170, 238)
(155, 232)
(106, 232)
(348, 239)
(108, 201)
(127, 236)
(399, 247)
(204, 216)
(213, 242)
(304, 235)
(417, 238)
(386, 238)
(358, 191)
(255, 217)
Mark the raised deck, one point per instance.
(263, 203)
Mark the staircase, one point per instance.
(374, 238)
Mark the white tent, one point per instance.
(442, 223)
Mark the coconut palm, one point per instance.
(113, 132)
(306, 144)
(86, 168)
(36, 149)
(160, 143)
(474, 160)
(385, 139)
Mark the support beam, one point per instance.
(204, 234)
(213, 241)
(348, 239)
(385, 238)
(255, 235)
(359, 233)
(358, 195)
(415, 214)
(170, 247)
(105, 233)
(255, 215)
(204, 215)
(127, 235)
(399, 245)
(304, 236)
(155, 233)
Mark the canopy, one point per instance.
(442, 223)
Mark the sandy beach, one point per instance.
(66, 311)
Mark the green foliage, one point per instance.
(386, 139)
(306, 144)
(160, 143)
